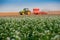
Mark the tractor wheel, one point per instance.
(29, 13)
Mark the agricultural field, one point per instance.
(30, 28)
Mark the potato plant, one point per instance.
(30, 28)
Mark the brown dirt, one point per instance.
(17, 13)
(9, 14)
(54, 12)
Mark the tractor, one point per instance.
(25, 11)
(37, 11)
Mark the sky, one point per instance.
(17, 5)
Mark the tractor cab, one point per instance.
(25, 11)
(36, 11)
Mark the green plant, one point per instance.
(30, 28)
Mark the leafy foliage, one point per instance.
(30, 28)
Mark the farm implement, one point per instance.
(36, 11)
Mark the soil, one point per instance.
(54, 12)
(17, 13)
(9, 14)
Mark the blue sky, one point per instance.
(16, 5)
(27, 1)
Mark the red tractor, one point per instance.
(37, 11)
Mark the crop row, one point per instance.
(30, 28)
